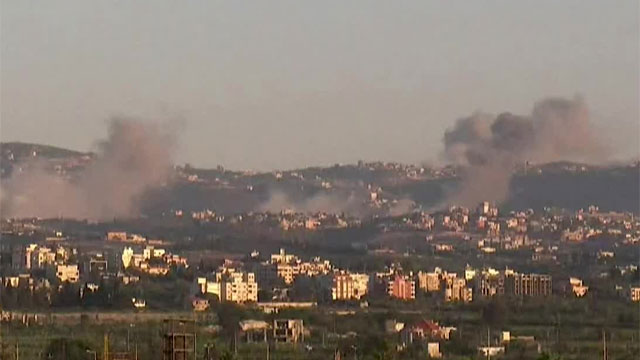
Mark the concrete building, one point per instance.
(287, 272)
(200, 304)
(491, 284)
(488, 351)
(127, 257)
(288, 330)
(68, 273)
(347, 286)
(530, 284)
(578, 287)
(45, 256)
(456, 290)
(283, 258)
(429, 281)
(98, 264)
(402, 287)
(117, 236)
(238, 287)
(254, 330)
(433, 350)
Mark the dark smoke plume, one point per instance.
(490, 147)
(135, 158)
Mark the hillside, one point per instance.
(348, 187)
(22, 150)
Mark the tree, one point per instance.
(495, 313)
(63, 348)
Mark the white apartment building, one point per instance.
(238, 287)
(347, 286)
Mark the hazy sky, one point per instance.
(281, 84)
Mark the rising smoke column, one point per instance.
(135, 158)
(488, 148)
(350, 203)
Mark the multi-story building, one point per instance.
(634, 294)
(429, 281)
(150, 252)
(288, 266)
(238, 287)
(315, 267)
(287, 272)
(29, 251)
(283, 258)
(68, 273)
(347, 286)
(45, 256)
(491, 284)
(151, 260)
(456, 290)
(402, 287)
(530, 284)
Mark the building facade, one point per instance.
(402, 287)
(348, 286)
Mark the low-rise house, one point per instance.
(578, 288)
(139, 303)
(491, 350)
(254, 330)
(200, 304)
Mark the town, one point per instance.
(449, 283)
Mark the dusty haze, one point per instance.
(136, 157)
(284, 84)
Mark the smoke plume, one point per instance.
(322, 202)
(488, 148)
(135, 157)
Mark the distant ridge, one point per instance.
(559, 184)
(21, 150)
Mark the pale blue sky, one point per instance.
(281, 84)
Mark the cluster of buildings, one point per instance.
(234, 283)
(152, 260)
(452, 288)
(53, 262)
(288, 267)
(285, 220)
